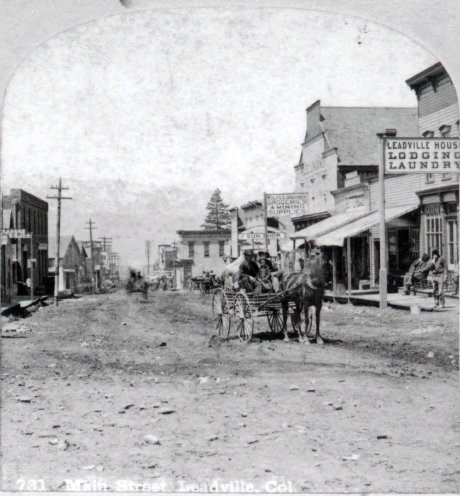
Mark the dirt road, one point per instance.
(117, 394)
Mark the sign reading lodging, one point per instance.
(16, 233)
(421, 155)
(286, 204)
(261, 236)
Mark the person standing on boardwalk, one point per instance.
(439, 274)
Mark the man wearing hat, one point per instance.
(417, 272)
(265, 273)
(439, 278)
(248, 272)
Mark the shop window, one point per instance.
(433, 227)
(206, 248)
(415, 243)
(191, 249)
(452, 252)
(221, 248)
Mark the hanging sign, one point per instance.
(421, 155)
(261, 236)
(286, 204)
(16, 233)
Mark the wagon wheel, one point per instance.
(243, 317)
(221, 313)
(275, 320)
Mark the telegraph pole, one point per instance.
(91, 227)
(106, 242)
(147, 252)
(59, 197)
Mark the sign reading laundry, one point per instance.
(421, 155)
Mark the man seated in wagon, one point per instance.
(248, 272)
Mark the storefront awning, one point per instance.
(337, 237)
(327, 225)
(289, 246)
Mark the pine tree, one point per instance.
(218, 216)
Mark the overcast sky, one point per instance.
(144, 114)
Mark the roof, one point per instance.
(353, 130)
(426, 75)
(63, 245)
(327, 225)
(205, 232)
(252, 204)
(337, 237)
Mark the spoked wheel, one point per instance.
(275, 320)
(243, 317)
(221, 313)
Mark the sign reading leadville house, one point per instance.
(286, 204)
(422, 155)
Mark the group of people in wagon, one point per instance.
(261, 277)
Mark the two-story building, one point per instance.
(25, 233)
(438, 116)
(421, 210)
(201, 251)
(340, 150)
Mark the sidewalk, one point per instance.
(396, 300)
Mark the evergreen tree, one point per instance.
(218, 216)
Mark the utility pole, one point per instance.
(106, 242)
(147, 252)
(59, 197)
(174, 245)
(91, 227)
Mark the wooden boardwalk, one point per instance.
(395, 300)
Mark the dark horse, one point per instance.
(137, 284)
(305, 289)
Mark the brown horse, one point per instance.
(305, 289)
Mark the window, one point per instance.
(191, 249)
(429, 178)
(433, 231)
(206, 248)
(221, 248)
(428, 134)
(445, 130)
(415, 243)
(447, 176)
(452, 252)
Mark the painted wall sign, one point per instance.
(422, 155)
(286, 204)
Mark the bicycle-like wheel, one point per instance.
(221, 313)
(275, 320)
(243, 317)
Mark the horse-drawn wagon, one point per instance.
(137, 284)
(241, 309)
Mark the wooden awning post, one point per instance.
(349, 268)
(334, 272)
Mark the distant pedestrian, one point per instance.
(439, 274)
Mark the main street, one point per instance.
(108, 392)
